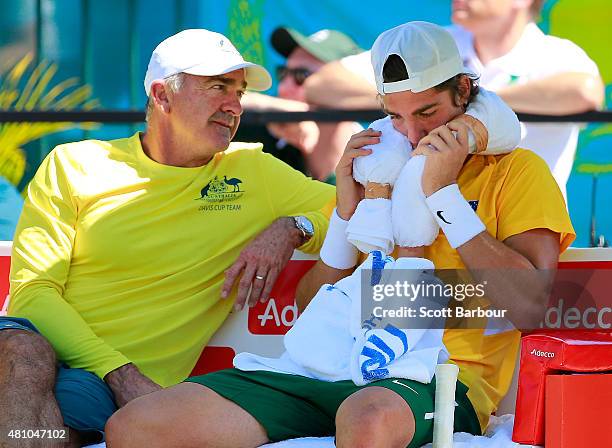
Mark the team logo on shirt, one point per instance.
(474, 205)
(222, 189)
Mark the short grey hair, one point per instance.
(173, 83)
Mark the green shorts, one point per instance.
(291, 406)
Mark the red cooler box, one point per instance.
(578, 410)
(552, 353)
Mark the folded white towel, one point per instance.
(413, 223)
(320, 340)
(370, 226)
(385, 162)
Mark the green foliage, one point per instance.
(245, 28)
(23, 88)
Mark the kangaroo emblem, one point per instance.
(204, 191)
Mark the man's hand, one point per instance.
(261, 261)
(348, 191)
(304, 135)
(445, 155)
(128, 383)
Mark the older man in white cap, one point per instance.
(497, 212)
(128, 252)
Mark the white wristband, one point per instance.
(455, 216)
(337, 252)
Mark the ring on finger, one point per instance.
(260, 277)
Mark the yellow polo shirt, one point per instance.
(120, 259)
(512, 193)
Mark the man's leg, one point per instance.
(187, 415)
(374, 417)
(27, 380)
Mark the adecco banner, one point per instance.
(260, 329)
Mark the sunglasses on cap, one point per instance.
(298, 74)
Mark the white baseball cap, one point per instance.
(429, 53)
(204, 53)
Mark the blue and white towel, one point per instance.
(330, 342)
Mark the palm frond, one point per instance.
(36, 93)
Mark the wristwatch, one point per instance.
(305, 226)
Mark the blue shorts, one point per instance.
(86, 402)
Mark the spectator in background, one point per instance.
(531, 71)
(314, 148)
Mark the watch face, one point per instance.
(305, 224)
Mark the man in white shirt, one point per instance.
(498, 39)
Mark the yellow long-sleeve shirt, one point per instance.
(120, 259)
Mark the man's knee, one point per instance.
(118, 429)
(26, 355)
(370, 418)
(187, 415)
(145, 421)
(365, 422)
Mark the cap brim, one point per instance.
(257, 77)
(284, 40)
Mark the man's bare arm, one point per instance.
(319, 275)
(128, 383)
(518, 271)
(333, 86)
(261, 101)
(562, 94)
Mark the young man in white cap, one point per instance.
(130, 253)
(313, 148)
(498, 40)
(496, 212)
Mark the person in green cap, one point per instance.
(314, 148)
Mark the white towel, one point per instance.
(320, 340)
(413, 223)
(329, 342)
(501, 122)
(370, 226)
(378, 225)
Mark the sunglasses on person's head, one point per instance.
(299, 74)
